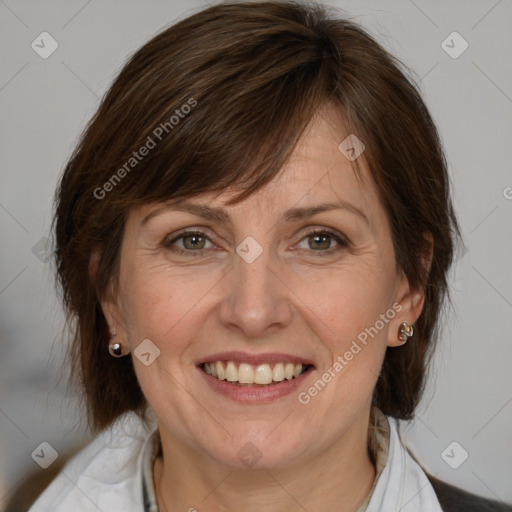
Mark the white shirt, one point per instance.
(113, 473)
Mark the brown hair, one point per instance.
(231, 89)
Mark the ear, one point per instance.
(108, 302)
(410, 300)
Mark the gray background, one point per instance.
(45, 105)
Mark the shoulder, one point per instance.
(106, 473)
(454, 499)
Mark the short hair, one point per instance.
(224, 95)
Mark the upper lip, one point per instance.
(256, 359)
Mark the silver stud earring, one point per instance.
(405, 331)
(115, 349)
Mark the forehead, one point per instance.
(318, 167)
(317, 171)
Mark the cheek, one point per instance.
(159, 303)
(351, 311)
(348, 301)
(352, 317)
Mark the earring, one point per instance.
(405, 331)
(115, 349)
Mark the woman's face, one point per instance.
(257, 288)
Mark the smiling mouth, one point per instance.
(261, 375)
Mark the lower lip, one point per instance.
(256, 394)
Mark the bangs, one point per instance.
(232, 119)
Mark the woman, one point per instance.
(252, 239)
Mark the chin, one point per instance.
(258, 449)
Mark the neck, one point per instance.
(339, 478)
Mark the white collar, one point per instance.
(402, 484)
(108, 474)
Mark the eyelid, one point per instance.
(317, 228)
(306, 231)
(190, 230)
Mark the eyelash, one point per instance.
(168, 244)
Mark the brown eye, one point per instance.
(193, 241)
(189, 243)
(319, 241)
(322, 241)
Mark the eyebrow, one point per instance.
(291, 215)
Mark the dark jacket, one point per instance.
(454, 499)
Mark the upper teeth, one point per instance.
(249, 374)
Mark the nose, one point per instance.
(256, 301)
